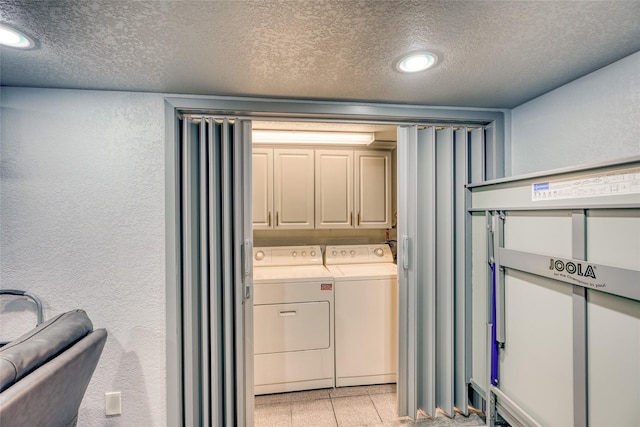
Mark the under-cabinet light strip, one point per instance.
(306, 137)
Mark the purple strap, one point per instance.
(494, 341)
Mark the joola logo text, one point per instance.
(572, 268)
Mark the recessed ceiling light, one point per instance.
(14, 38)
(416, 61)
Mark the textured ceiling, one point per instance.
(494, 53)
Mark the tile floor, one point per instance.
(346, 406)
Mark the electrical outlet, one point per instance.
(113, 403)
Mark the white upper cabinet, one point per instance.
(293, 193)
(372, 189)
(262, 191)
(353, 189)
(295, 189)
(334, 189)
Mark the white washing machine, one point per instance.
(293, 320)
(366, 313)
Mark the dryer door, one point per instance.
(291, 327)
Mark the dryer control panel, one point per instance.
(274, 256)
(357, 254)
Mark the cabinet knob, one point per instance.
(313, 253)
(259, 256)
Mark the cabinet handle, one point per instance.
(351, 218)
(277, 219)
(269, 219)
(358, 218)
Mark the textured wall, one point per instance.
(595, 118)
(82, 226)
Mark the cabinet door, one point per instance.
(373, 189)
(262, 188)
(334, 189)
(293, 188)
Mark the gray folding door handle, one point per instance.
(405, 252)
(247, 258)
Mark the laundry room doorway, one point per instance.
(325, 324)
(210, 241)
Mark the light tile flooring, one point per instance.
(346, 406)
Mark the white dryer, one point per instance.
(366, 313)
(293, 320)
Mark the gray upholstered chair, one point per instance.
(45, 373)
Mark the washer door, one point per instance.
(291, 327)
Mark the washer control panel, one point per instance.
(357, 254)
(274, 256)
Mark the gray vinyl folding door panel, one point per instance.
(243, 279)
(227, 313)
(462, 269)
(613, 329)
(445, 272)
(426, 247)
(213, 230)
(409, 382)
(476, 155)
(190, 233)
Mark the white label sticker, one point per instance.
(619, 182)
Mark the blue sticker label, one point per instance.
(541, 186)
